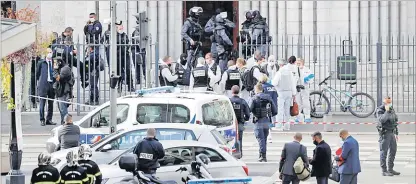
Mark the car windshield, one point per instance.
(217, 113)
(130, 150)
(162, 113)
(106, 137)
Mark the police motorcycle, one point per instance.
(129, 163)
(199, 169)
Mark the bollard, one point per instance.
(327, 118)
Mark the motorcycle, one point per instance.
(199, 169)
(129, 162)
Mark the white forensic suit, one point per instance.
(250, 62)
(285, 84)
(215, 78)
(165, 75)
(230, 78)
(302, 97)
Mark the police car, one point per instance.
(116, 143)
(155, 105)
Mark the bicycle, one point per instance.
(345, 104)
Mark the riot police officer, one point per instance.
(209, 31)
(183, 70)
(165, 73)
(192, 33)
(387, 128)
(45, 173)
(92, 169)
(222, 39)
(72, 172)
(199, 77)
(244, 36)
(260, 33)
(262, 108)
(149, 150)
(242, 113)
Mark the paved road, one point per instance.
(369, 155)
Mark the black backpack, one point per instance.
(248, 80)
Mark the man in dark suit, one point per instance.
(290, 153)
(350, 159)
(321, 161)
(45, 89)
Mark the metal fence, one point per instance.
(380, 66)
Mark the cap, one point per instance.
(119, 22)
(316, 134)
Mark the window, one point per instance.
(176, 156)
(217, 113)
(219, 137)
(103, 116)
(162, 113)
(213, 155)
(106, 137)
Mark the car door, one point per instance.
(174, 159)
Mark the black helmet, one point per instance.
(195, 12)
(249, 15)
(218, 11)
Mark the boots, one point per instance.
(394, 172)
(384, 172)
(262, 157)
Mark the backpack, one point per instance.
(248, 80)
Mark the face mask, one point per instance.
(92, 19)
(120, 31)
(315, 142)
(183, 62)
(49, 56)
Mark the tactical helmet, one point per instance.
(84, 152)
(44, 159)
(72, 158)
(249, 15)
(195, 11)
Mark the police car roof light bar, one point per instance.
(155, 90)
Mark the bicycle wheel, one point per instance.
(319, 104)
(359, 101)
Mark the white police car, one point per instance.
(190, 107)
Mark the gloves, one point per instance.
(308, 78)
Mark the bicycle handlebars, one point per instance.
(324, 81)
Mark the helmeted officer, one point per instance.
(262, 108)
(166, 78)
(387, 128)
(231, 77)
(93, 30)
(209, 31)
(123, 57)
(149, 150)
(242, 113)
(199, 76)
(223, 42)
(45, 173)
(93, 171)
(192, 33)
(72, 172)
(244, 37)
(260, 33)
(183, 70)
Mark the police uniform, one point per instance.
(165, 75)
(199, 78)
(149, 151)
(139, 57)
(74, 175)
(93, 171)
(123, 58)
(260, 33)
(262, 108)
(93, 32)
(387, 127)
(192, 30)
(183, 70)
(230, 78)
(45, 174)
(244, 37)
(222, 40)
(93, 62)
(242, 113)
(271, 91)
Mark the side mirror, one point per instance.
(118, 121)
(106, 148)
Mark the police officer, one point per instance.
(245, 32)
(165, 74)
(257, 69)
(93, 30)
(262, 108)
(183, 70)
(209, 31)
(45, 173)
(260, 33)
(285, 83)
(214, 74)
(271, 91)
(199, 77)
(93, 62)
(93, 171)
(242, 113)
(192, 33)
(387, 128)
(123, 57)
(139, 56)
(149, 150)
(222, 39)
(72, 172)
(231, 77)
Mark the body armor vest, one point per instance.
(195, 31)
(200, 75)
(262, 108)
(238, 111)
(162, 80)
(233, 79)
